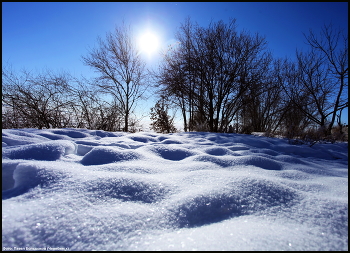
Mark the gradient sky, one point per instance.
(55, 35)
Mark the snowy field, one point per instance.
(79, 189)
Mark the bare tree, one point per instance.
(92, 109)
(172, 72)
(85, 100)
(315, 84)
(296, 106)
(38, 101)
(262, 103)
(332, 48)
(211, 70)
(122, 71)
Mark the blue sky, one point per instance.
(55, 35)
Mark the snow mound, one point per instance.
(172, 153)
(244, 197)
(20, 137)
(219, 151)
(47, 151)
(70, 133)
(143, 139)
(103, 155)
(127, 189)
(26, 176)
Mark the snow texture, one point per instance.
(81, 189)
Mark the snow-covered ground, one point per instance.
(79, 189)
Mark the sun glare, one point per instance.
(148, 43)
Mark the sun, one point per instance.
(148, 43)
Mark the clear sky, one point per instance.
(55, 35)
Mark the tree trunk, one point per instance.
(329, 129)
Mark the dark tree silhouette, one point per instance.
(316, 83)
(332, 47)
(211, 70)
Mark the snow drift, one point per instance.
(79, 189)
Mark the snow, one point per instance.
(79, 189)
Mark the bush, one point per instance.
(162, 122)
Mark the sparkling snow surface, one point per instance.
(93, 190)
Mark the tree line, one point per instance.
(219, 78)
(224, 80)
